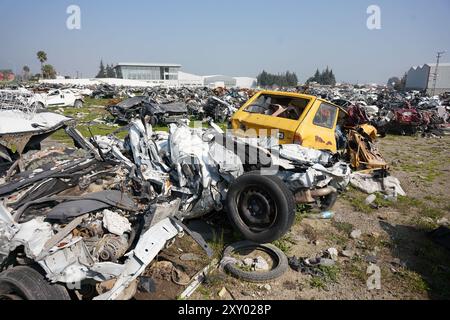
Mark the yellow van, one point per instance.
(299, 118)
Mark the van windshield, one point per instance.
(278, 106)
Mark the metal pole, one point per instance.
(439, 55)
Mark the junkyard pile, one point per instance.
(105, 210)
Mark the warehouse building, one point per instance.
(160, 74)
(148, 71)
(421, 78)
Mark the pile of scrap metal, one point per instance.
(362, 133)
(170, 103)
(22, 128)
(218, 110)
(106, 215)
(105, 91)
(159, 114)
(392, 111)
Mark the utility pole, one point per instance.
(435, 75)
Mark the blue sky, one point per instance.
(238, 38)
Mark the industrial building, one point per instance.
(169, 74)
(160, 74)
(147, 71)
(422, 78)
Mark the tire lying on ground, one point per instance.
(26, 283)
(260, 207)
(279, 258)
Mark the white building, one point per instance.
(421, 78)
(131, 74)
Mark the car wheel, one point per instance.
(280, 260)
(78, 104)
(26, 283)
(39, 106)
(260, 207)
(153, 121)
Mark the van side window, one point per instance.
(325, 116)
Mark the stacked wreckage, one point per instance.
(107, 214)
(71, 218)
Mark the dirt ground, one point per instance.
(394, 237)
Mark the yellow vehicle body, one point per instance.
(295, 118)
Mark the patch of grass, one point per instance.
(217, 245)
(302, 211)
(344, 227)
(284, 244)
(330, 275)
(357, 200)
(358, 269)
(359, 205)
(428, 170)
(338, 239)
(413, 280)
(423, 223)
(318, 283)
(432, 213)
(310, 233)
(205, 292)
(404, 204)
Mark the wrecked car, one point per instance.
(310, 122)
(299, 119)
(81, 222)
(104, 92)
(159, 114)
(62, 98)
(22, 131)
(218, 109)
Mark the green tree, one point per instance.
(110, 73)
(48, 71)
(26, 73)
(102, 71)
(326, 77)
(287, 79)
(332, 78)
(42, 57)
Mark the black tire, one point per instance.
(153, 121)
(260, 207)
(78, 104)
(26, 283)
(280, 262)
(39, 106)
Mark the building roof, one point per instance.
(442, 64)
(137, 64)
(431, 65)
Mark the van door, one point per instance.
(318, 129)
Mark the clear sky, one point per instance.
(233, 37)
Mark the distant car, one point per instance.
(145, 106)
(58, 98)
(104, 92)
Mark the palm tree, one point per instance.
(42, 57)
(26, 72)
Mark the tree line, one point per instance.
(106, 72)
(326, 77)
(288, 79)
